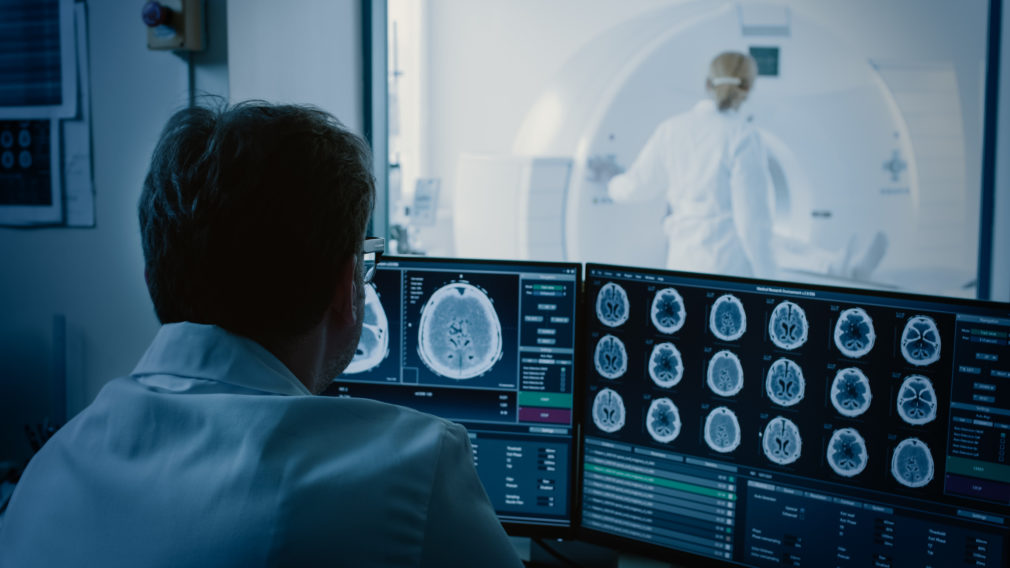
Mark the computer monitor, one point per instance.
(758, 423)
(491, 345)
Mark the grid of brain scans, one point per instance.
(490, 345)
(767, 423)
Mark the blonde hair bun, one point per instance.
(730, 78)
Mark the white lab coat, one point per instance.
(713, 169)
(211, 453)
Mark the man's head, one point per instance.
(251, 215)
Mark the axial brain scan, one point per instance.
(459, 335)
(665, 365)
(608, 411)
(611, 358)
(663, 420)
(920, 341)
(374, 343)
(912, 463)
(847, 454)
(722, 430)
(788, 326)
(781, 441)
(725, 373)
(668, 311)
(785, 384)
(854, 335)
(850, 392)
(917, 400)
(612, 307)
(728, 321)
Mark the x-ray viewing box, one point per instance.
(708, 418)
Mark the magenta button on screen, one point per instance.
(549, 415)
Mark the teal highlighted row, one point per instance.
(680, 486)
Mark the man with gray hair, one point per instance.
(214, 451)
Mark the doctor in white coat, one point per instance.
(712, 167)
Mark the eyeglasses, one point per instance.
(372, 251)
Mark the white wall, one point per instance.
(94, 276)
(309, 51)
(298, 51)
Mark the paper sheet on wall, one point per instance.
(78, 185)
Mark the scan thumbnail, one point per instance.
(728, 321)
(916, 400)
(781, 441)
(722, 430)
(787, 326)
(373, 346)
(611, 357)
(850, 392)
(854, 334)
(668, 313)
(847, 453)
(785, 384)
(608, 411)
(920, 341)
(459, 335)
(612, 306)
(666, 367)
(663, 420)
(725, 373)
(912, 463)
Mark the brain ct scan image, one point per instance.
(850, 392)
(728, 321)
(916, 400)
(668, 311)
(725, 373)
(920, 342)
(608, 411)
(663, 420)
(788, 326)
(912, 463)
(611, 358)
(374, 343)
(781, 441)
(847, 454)
(459, 335)
(612, 306)
(785, 384)
(854, 335)
(722, 430)
(666, 367)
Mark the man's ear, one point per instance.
(345, 291)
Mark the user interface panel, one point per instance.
(489, 345)
(771, 424)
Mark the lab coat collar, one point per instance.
(209, 352)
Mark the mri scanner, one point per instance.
(857, 142)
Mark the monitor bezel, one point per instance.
(529, 529)
(627, 544)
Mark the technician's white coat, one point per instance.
(713, 168)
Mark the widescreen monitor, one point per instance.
(490, 345)
(754, 423)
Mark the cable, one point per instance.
(560, 557)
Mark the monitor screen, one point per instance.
(771, 424)
(490, 345)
